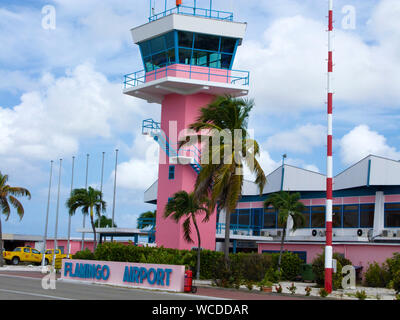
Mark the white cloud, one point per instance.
(311, 167)
(141, 170)
(288, 63)
(51, 122)
(361, 142)
(287, 71)
(301, 139)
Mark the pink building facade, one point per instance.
(187, 61)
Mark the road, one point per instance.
(28, 286)
(15, 287)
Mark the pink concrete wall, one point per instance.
(358, 254)
(190, 72)
(184, 110)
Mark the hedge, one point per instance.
(243, 266)
(385, 275)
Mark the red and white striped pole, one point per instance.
(329, 163)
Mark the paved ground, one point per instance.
(27, 285)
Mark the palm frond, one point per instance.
(5, 207)
(187, 231)
(17, 205)
(19, 192)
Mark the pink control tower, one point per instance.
(188, 54)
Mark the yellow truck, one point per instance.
(27, 254)
(48, 257)
(22, 254)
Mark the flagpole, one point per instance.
(47, 215)
(57, 211)
(115, 187)
(84, 216)
(101, 182)
(69, 216)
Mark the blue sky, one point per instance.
(61, 93)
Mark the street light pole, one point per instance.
(101, 182)
(69, 216)
(47, 215)
(283, 170)
(115, 187)
(84, 217)
(57, 211)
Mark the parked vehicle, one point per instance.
(49, 255)
(22, 254)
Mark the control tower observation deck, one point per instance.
(187, 50)
(187, 54)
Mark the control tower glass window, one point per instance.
(206, 50)
(158, 52)
(188, 48)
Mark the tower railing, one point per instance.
(236, 77)
(146, 223)
(153, 128)
(194, 11)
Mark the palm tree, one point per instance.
(288, 205)
(221, 177)
(89, 200)
(8, 196)
(105, 222)
(186, 205)
(145, 219)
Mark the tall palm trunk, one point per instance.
(1, 246)
(198, 248)
(94, 229)
(280, 252)
(227, 237)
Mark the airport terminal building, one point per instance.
(188, 55)
(366, 220)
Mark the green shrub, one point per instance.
(84, 255)
(290, 266)
(273, 275)
(393, 264)
(278, 288)
(396, 282)
(292, 288)
(252, 266)
(377, 276)
(225, 276)
(361, 295)
(323, 293)
(318, 266)
(249, 284)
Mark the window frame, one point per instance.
(361, 213)
(171, 172)
(225, 61)
(386, 213)
(351, 211)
